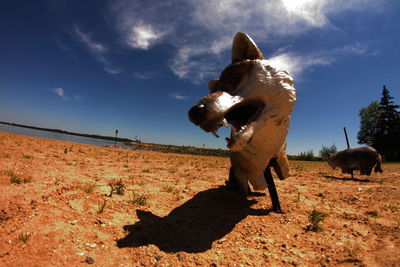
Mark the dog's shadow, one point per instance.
(193, 226)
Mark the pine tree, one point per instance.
(385, 138)
(369, 117)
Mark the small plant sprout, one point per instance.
(372, 213)
(25, 156)
(15, 179)
(101, 207)
(140, 200)
(117, 188)
(24, 237)
(315, 218)
(89, 188)
(169, 189)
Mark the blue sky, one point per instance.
(138, 66)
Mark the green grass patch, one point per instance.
(101, 207)
(315, 218)
(89, 188)
(25, 156)
(15, 179)
(140, 200)
(372, 213)
(24, 237)
(117, 187)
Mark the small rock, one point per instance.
(221, 241)
(93, 245)
(181, 257)
(158, 258)
(284, 245)
(213, 265)
(73, 222)
(295, 263)
(89, 260)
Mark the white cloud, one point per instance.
(295, 64)
(143, 75)
(97, 49)
(184, 65)
(200, 31)
(140, 24)
(112, 70)
(356, 48)
(59, 91)
(86, 38)
(178, 96)
(312, 11)
(142, 36)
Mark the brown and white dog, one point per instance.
(256, 98)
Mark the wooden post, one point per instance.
(348, 146)
(115, 141)
(347, 139)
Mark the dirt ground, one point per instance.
(56, 209)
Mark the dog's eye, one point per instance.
(236, 79)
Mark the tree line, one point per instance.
(380, 126)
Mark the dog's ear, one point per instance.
(212, 85)
(243, 47)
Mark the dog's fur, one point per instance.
(256, 98)
(360, 158)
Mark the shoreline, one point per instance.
(95, 136)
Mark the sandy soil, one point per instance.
(170, 210)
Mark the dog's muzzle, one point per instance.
(221, 109)
(209, 112)
(197, 113)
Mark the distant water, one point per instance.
(58, 136)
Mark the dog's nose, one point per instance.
(196, 113)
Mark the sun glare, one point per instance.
(296, 5)
(310, 10)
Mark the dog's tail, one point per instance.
(378, 166)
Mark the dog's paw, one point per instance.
(232, 186)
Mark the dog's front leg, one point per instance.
(233, 184)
